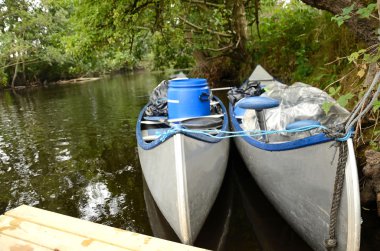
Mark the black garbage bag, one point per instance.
(247, 89)
(158, 102)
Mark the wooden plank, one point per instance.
(50, 238)
(89, 230)
(12, 244)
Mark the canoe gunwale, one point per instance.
(147, 146)
(182, 193)
(299, 143)
(353, 196)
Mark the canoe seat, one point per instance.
(214, 102)
(258, 103)
(203, 123)
(302, 123)
(191, 118)
(152, 134)
(156, 118)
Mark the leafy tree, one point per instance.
(49, 40)
(172, 31)
(364, 28)
(30, 33)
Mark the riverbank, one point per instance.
(59, 82)
(76, 80)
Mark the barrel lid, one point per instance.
(190, 82)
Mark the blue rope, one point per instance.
(255, 133)
(346, 137)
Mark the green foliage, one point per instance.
(117, 35)
(376, 106)
(334, 91)
(360, 60)
(303, 66)
(355, 55)
(286, 39)
(300, 43)
(30, 38)
(364, 12)
(344, 16)
(177, 55)
(48, 40)
(297, 41)
(53, 39)
(3, 78)
(343, 100)
(367, 11)
(375, 144)
(327, 106)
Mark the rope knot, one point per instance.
(336, 133)
(330, 243)
(173, 130)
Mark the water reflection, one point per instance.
(97, 201)
(214, 232)
(270, 229)
(72, 150)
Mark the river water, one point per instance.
(71, 149)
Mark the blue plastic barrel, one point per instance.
(188, 98)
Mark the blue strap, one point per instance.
(302, 123)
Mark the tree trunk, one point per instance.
(378, 11)
(239, 24)
(24, 74)
(363, 28)
(240, 56)
(15, 75)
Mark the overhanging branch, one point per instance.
(221, 49)
(200, 28)
(25, 62)
(205, 3)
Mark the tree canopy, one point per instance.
(48, 40)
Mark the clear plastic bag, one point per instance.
(297, 102)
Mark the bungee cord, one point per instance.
(220, 134)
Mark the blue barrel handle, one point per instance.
(204, 96)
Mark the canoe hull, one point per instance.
(184, 176)
(299, 183)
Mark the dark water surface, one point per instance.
(71, 149)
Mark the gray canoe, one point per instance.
(299, 182)
(214, 233)
(184, 174)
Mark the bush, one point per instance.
(297, 41)
(3, 78)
